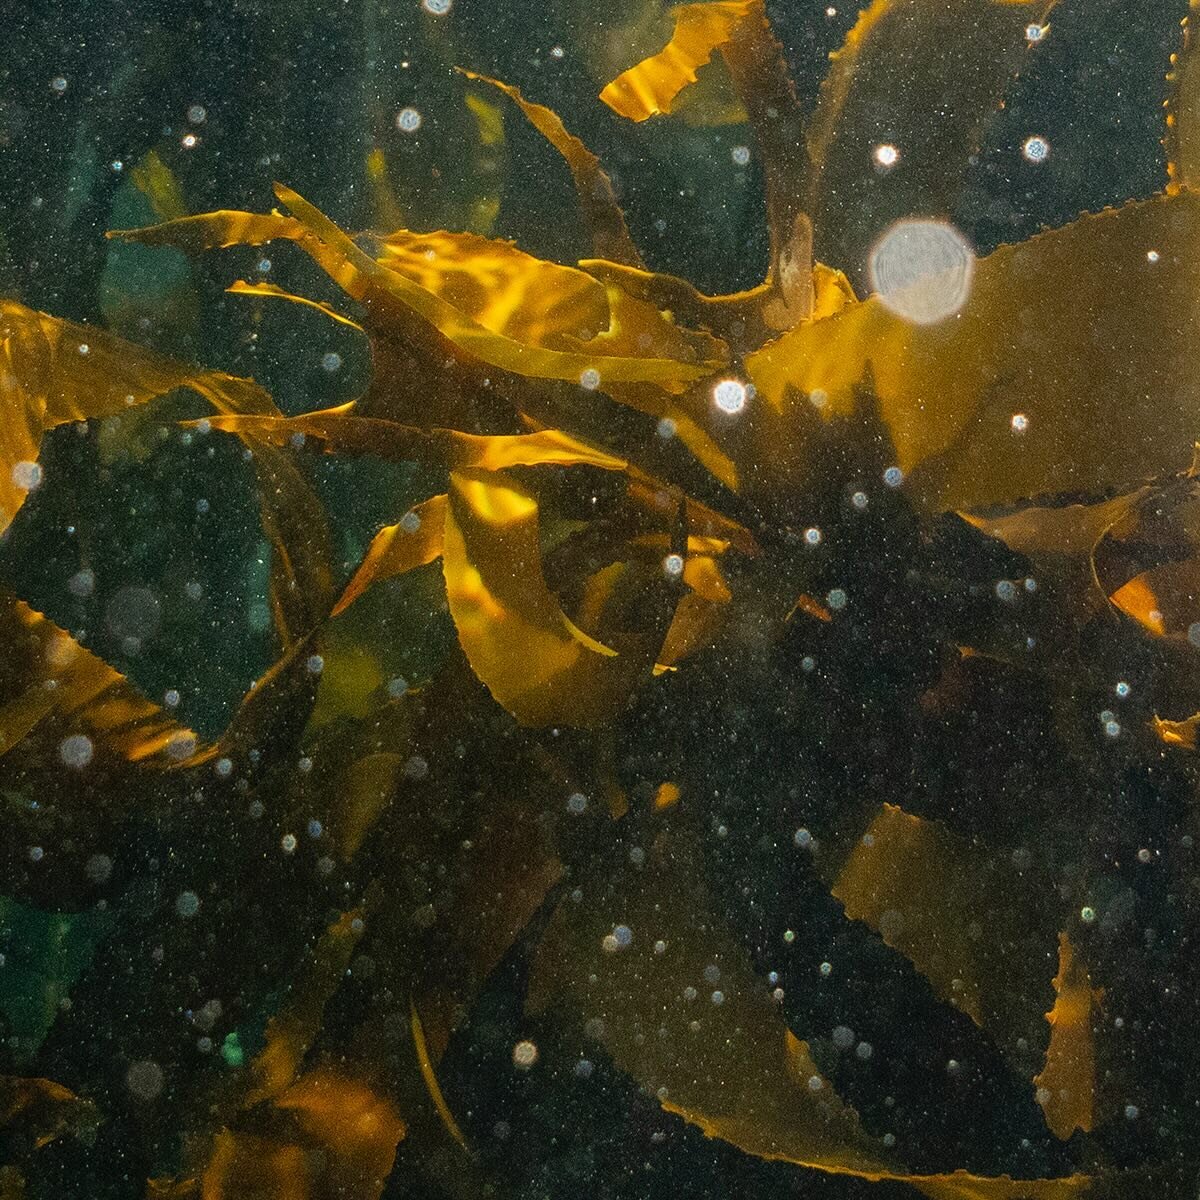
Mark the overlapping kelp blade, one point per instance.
(397, 549)
(52, 688)
(1081, 331)
(1067, 1084)
(922, 76)
(518, 640)
(273, 291)
(967, 922)
(35, 1112)
(730, 1066)
(1182, 139)
(601, 212)
(54, 371)
(739, 30)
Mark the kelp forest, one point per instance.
(599, 600)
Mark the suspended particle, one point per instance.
(1152, 256)
(826, 969)
(1035, 149)
(1019, 422)
(557, 52)
(815, 1083)
(730, 396)
(1087, 914)
(808, 664)
(1006, 591)
(27, 475)
(812, 537)
(1193, 632)
(304, 764)
(315, 664)
(202, 506)
(836, 599)
(189, 141)
(197, 114)
(133, 612)
(410, 522)
(637, 856)
(1034, 33)
(397, 687)
(803, 839)
(712, 973)
(287, 843)
(1144, 855)
(1122, 689)
(144, 1079)
(76, 751)
(623, 935)
(843, 1037)
(859, 500)
(893, 477)
(181, 745)
(36, 854)
(886, 155)
(187, 905)
(58, 84)
(660, 947)
(525, 1054)
(224, 767)
(673, 566)
(740, 155)
(666, 428)
(439, 8)
(589, 380)
(1131, 1112)
(718, 997)
(584, 1068)
(789, 936)
(922, 270)
(331, 362)
(577, 804)
(408, 120)
(1112, 729)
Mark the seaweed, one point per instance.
(783, 620)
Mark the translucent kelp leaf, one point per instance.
(700, 30)
(35, 1112)
(1066, 370)
(919, 78)
(216, 230)
(412, 542)
(53, 372)
(1182, 140)
(1165, 600)
(740, 31)
(1066, 1087)
(341, 431)
(50, 685)
(429, 1074)
(677, 1006)
(964, 919)
(534, 661)
(610, 235)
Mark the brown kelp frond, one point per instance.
(901, 110)
(598, 201)
(1084, 394)
(739, 30)
(1182, 136)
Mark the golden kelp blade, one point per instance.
(1082, 332)
(430, 1076)
(924, 891)
(37, 1111)
(216, 230)
(1182, 139)
(503, 289)
(517, 638)
(399, 548)
(610, 234)
(358, 274)
(700, 30)
(921, 76)
(1163, 599)
(52, 687)
(53, 372)
(241, 288)
(1066, 1087)
(732, 1068)
(340, 431)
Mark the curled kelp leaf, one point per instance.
(901, 110)
(606, 221)
(36, 1112)
(534, 661)
(1066, 1086)
(1047, 380)
(412, 542)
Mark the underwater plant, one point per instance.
(815, 657)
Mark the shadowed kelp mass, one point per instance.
(798, 790)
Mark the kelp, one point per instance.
(681, 539)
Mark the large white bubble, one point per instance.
(922, 270)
